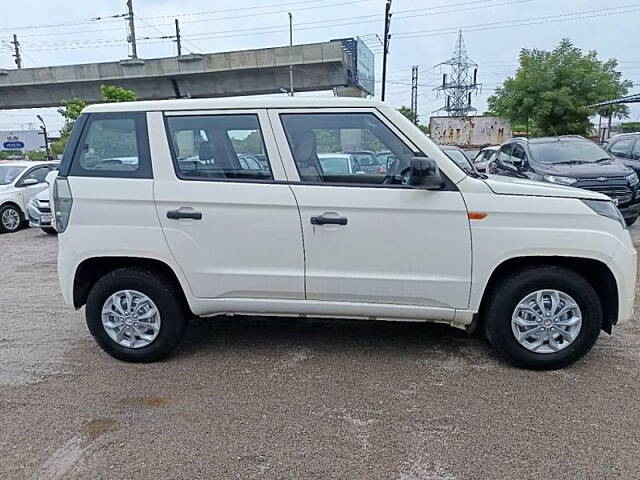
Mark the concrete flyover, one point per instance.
(317, 66)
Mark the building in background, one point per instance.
(470, 131)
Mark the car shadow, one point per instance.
(254, 334)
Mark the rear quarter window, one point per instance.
(112, 145)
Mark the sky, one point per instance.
(424, 32)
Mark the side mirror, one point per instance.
(51, 176)
(27, 182)
(424, 173)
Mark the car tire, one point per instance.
(630, 220)
(49, 230)
(171, 318)
(503, 312)
(11, 219)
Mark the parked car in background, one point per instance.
(457, 155)
(626, 148)
(368, 162)
(39, 213)
(484, 157)
(339, 164)
(575, 161)
(19, 182)
(541, 268)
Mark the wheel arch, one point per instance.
(90, 270)
(595, 272)
(16, 205)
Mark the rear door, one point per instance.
(366, 240)
(230, 221)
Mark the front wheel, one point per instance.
(49, 230)
(543, 318)
(135, 315)
(10, 219)
(631, 220)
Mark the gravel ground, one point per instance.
(291, 398)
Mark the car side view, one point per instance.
(19, 182)
(167, 223)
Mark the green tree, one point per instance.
(551, 90)
(71, 110)
(406, 111)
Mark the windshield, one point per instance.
(567, 152)
(8, 173)
(460, 158)
(334, 165)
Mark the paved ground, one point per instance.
(248, 398)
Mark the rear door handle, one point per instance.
(322, 220)
(178, 214)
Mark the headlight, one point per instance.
(33, 202)
(606, 209)
(632, 179)
(560, 180)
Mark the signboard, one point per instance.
(469, 131)
(362, 64)
(13, 145)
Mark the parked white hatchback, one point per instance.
(19, 182)
(182, 228)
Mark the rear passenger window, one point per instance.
(113, 145)
(218, 147)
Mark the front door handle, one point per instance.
(178, 214)
(322, 220)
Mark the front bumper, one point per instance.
(38, 218)
(624, 268)
(630, 211)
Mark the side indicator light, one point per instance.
(477, 215)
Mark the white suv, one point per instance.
(19, 183)
(159, 221)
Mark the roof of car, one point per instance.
(561, 138)
(233, 103)
(25, 163)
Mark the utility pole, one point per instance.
(132, 30)
(385, 50)
(43, 127)
(16, 46)
(291, 45)
(178, 40)
(414, 93)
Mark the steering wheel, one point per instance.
(401, 178)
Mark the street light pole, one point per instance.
(46, 137)
(291, 45)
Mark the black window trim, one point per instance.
(217, 113)
(448, 184)
(145, 168)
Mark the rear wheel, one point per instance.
(10, 219)
(543, 318)
(135, 315)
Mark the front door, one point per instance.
(367, 236)
(228, 216)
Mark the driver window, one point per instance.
(505, 154)
(518, 156)
(38, 174)
(344, 148)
